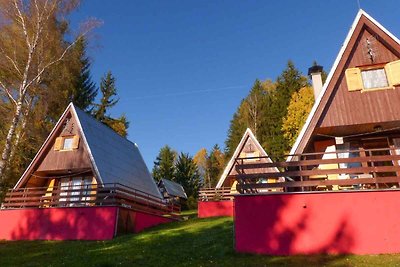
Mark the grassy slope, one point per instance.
(196, 242)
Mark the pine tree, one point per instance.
(164, 166)
(237, 127)
(108, 94)
(84, 91)
(108, 100)
(187, 174)
(290, 81)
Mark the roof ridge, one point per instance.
(102, 124)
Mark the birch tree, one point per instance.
(31, 43)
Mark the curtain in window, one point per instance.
(374, 78)
(64, 186)
(76, 185)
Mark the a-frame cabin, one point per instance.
(248, 151)
(82, 151)
(218, 201)
(350, 144)
(353, 129)
(359, 104)
(85, 182)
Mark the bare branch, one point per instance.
(22, 21)
(48, 65)
(7, 91)
(11, 60)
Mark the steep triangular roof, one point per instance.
(361, 21)
(247, 137)
(173, 188)
(114, 158)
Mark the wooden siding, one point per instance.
(349, 108)
(65, 160)
(248, 147)
(338, 107)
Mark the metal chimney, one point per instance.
(315, 72)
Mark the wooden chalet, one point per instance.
(172, 191)
(248, 152)
(351, 139)
(344, 165)
(84, 163)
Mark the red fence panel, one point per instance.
(358, 222)
(207, 209)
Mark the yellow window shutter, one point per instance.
(50, 188)
(58, 144)
(75, 142)
(393, 72)
(354, 80)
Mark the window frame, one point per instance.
(374, 67)
(70, 137)
(70, 183)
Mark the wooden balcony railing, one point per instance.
(216, 194)
(89, 195)
(352, 169)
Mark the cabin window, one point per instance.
(68, 142)
(75, 189)
(380, 76)
(375, 78)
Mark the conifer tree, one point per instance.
(164, 166)
(290, 81)
(108, 100)
(187, 175)
(108, 97)
(84, 91)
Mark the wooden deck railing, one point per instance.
(216, 194)
(89, 195)
(352, 169)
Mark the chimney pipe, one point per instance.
(315, 72)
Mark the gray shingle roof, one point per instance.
(116, 159)
(174, 189)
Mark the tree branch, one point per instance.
(22, 21)
(54, 61)
(8, 93)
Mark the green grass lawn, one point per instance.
(195, 242)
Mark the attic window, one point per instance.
(382, 76)
(375, 78)
(66, 143)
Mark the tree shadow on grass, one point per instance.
(197, 242)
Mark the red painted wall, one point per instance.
(207, 209)
(145, 220)
(85, 223)
(314, 223)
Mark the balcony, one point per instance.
(372, 169)
(87, 196)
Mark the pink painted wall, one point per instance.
(315, 223)
(84, 223)
(145, 220)
(207, 209)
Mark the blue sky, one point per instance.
(182, 67)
